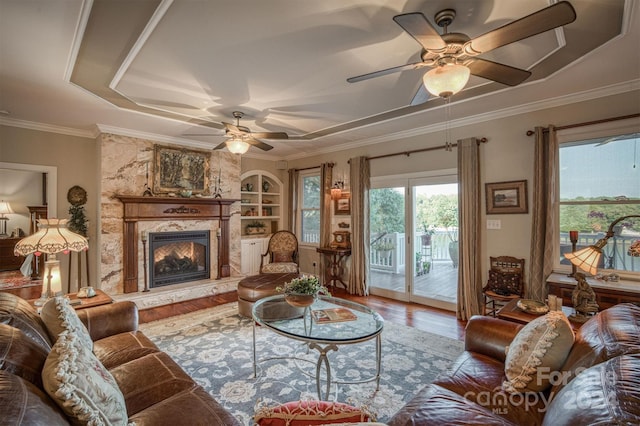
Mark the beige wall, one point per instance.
(76, 164)
(507, 156)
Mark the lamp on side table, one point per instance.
(52, 237)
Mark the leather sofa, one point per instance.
(155, 389)
(599, 382)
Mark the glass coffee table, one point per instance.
(277, 315)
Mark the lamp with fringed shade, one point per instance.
(588, 258)
(52, 237)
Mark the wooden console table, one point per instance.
(101, 298)
(336, 257)
(607, 293)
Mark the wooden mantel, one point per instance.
(138, 208)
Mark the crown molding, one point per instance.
(42, 127)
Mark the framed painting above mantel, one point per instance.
(177, 169)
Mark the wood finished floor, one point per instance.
(428, 319)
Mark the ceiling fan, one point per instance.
(453, 56)
(241, 137)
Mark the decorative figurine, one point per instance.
(584, 300)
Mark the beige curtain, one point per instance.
(293, 199)
(359, 176)
(543, 211)
(326, 177)
(469, 201)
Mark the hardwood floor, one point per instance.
(422, 317)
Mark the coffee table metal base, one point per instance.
(323, 360)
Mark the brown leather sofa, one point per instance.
(598, 384)
(156, 390)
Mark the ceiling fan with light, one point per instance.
(452, 57)
(241, 137)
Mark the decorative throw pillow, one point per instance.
(58, 316)
(85, 390)
(537, 352)
(283, 256)
(305, 413)
(504, 283)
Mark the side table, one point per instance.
(511, 312)
(101, 298)
(336, 257)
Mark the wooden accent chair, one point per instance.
(283, 254)
(506, 282)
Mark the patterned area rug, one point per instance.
(214, 346)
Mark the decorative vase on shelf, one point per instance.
(265, 186)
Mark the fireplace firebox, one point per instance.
(178, 257)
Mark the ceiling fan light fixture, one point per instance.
(446, 80)
(237, 146)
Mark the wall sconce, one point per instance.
(588, 258)
(52, 237)
(336, 190)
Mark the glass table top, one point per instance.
(275, 313)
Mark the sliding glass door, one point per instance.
(413, 236)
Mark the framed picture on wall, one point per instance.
(178, 169)
(506, 197)
(342, 205)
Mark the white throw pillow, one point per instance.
(539, 349)
(78, 382)
(58, 316)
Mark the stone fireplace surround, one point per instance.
(123, 165)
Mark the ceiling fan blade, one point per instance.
(269, 135)
(421, 96)
(232, 128)
(201, 134)
(501, 73)
(222, 145)
(380, 73)
(418, 27)
(258, 144)
(551, 17)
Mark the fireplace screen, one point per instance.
(178, 257)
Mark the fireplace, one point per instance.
(178, 257)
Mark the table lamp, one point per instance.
(52, 237)
(5, 208)
(588, 258)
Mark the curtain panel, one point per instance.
(544, 207)
(326, 177)
(469, 202)
(292, 193)
(359, 176)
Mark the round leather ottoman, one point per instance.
(256, 287)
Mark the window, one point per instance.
(600, 182)
(309, 197)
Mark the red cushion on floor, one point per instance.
(303, 413)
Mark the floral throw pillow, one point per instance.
(537, 352)
(58, 316)
(81, 386)
(306, 413)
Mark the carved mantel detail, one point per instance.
(165, 208)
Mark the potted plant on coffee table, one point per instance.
(302, 291)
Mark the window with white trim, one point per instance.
(599, 183)
(309, 197)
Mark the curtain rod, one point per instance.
(414, 151)
(587, 123)
(314, 167)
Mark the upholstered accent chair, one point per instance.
(282, 253)
(505, 283)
